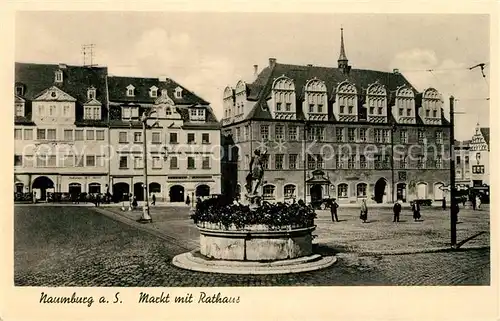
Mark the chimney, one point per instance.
(62, 66)
(309, 65)
(162, 78)
(255, 71)
(272, 62)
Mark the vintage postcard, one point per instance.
(316, 162)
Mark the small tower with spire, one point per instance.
(343, 61)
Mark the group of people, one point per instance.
(397, 209)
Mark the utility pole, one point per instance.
(453, 216)
(393, 129)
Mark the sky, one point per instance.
(205, 52)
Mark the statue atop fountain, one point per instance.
(256, 174)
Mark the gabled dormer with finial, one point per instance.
(432, 103)
(228, 105)
(345, 108)
(376, 103)
(240, 99)
(165, 106)
(403, 109)
(283, 98)
(315, 105)
(343, 62)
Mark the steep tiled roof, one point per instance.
(35, 78)
(485, 131)
(261, 88)
(118, 89)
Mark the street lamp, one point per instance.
(146, 115)
(393, 130)
(304, 139)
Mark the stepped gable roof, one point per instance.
(35, 78)
(118, 90)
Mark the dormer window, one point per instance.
(19, 109)
(153, 92)
(19, 90)
(130, 91)
(91, 93)
(130, 112)
(92, 112)
(59, 76)
(178, 92)
(197, 114)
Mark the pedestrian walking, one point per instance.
(454, 210)
(416, 210)
(188, 201)
(464, 199)
(333, 210)
(397, 210)
(153, 200)
(444, 203)
(364, 211)
(134, 202)
(478, 202)
(473, 200)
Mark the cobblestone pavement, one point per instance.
(69, 246)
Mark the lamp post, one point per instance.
(146, 115)
(304, 139)
(393, 129)
(453, 218)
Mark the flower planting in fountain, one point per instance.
(219, 212)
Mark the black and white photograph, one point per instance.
(220, 150)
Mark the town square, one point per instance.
(162, 153)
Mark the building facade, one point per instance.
(341, 133)
(479, 155)
(462, 165)
(60, 129)
(183, 146)
(78, 130)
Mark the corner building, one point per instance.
(343, 133)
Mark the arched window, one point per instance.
(361, 190)
(289, 190)
(19, 187)
(316, 96)
(342, 191)
(347, 98)
(94, 188)
(268, 192)
(154, 187)
(432, 103)
(421, 190)
(283, 94)
(405, 102)
(376, 96)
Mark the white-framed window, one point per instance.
(28, 134)
(174, 163)
(361, 190)
(79, 134)
(41, 110)
(403, 136)
(439, 137)
(123, 137)
(279, 132)
(97, 113)
(90, 134)
(40, 134)
(438, 161)
(156, 162)
(87, 113)
(156, 137)
(130, 112)
(68, 134)
(18, 134)
(59, 76)
(138, 163)
(20, 90)
(52, 110)
(178, 92)
(66, 110)
(137, 137)
(264, 132)
(130, 91)
(205, 162)
(99, 134)
(292, 161)
(362, 134)
(153, 92)
(51, 134)
(191, 163)
(292, 132)
(278, 161)
(362, 162)
(90, 161)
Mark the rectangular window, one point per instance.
(41, 160)
(123, 162)
(408, 112)
(400, 111)
(351, 109)
(19, 110)
(427, 113)
(420, 162)
(137, 137)
(156, 162)
(378, 135)
(319, 161)
(320, 108)
(339, 162)
(403, 162)
(52, 110)
(205, 138)
(28, 134)
(421, 136)
(311, 108)
(69, 161)
(387, 135)
(90, 134)
(90, 161)
(122, 137)
(18, 160)
(155, 138)
(99, 161)
(79, 134)
(434, 113)
(99, 134)
(68, 134)
(292, 133)
(264, 132)
(238, 133)
(173, 162)
(458, 160)
(278, 106)
(362, 134)
(378, 162)
(341, 111)
(372, 110)
(288, 107)
(292, 161)
(87, 113)
(386, 162)
(66, 111)
(51, 134)
(320, 133)
(351, 134)
(466, 159)
(40, 134)
(310, 133)
(265, 163)
(379, 110)
(205, 163)
(52, 161)
(18, 134)
(339, 134)
(351, 161)
(97, 113)
(173, 138)
(191, 163)
(138, 163)
(438, 161)
(278, 163)
(362, 162)
(439, 137)
(279, 132)
(41, 110)
(403, 136)
(80, 160)
(190, 138)
(311, 162)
